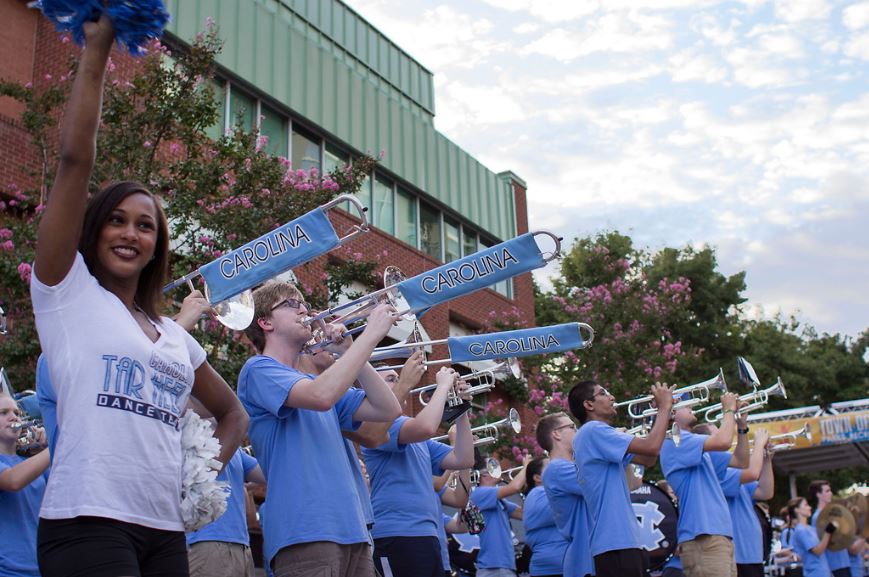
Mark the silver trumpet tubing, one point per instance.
(236, 312)
(493, 430)
(804, 432)
(674, 434)
(493, 467)
(486, 378)
(27, 433)
(756, 399)
(641, 407)
(512, 472)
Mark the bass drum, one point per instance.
(657, 515)
(463, 549)
(766, 529)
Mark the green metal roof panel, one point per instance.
(329, 66)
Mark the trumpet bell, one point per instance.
(236, 312)
(512, 364)
(493, 467)
(392, 276)
(2, 321)
(514, 421)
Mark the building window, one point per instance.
(452, 248)
(405, 210)
(306, 151)
(215, 131)
(384, 206)
(335, 158)
(242, 109)
(430, 231)
(275, 127)
(505, 287)
(469, 241)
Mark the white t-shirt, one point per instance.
(119, 400)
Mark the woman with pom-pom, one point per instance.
(121, 372)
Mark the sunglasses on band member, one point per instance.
(292, 303)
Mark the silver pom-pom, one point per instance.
(203, 497)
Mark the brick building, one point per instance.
(324, 85)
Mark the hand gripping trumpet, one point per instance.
(457, 278)
(756, 399)
(492, 430)
(487, 377)
(698, 393)
(230, 278)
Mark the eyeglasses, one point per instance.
(602, 391)
(571, 425)
(292, 303)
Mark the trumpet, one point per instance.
(27, 442)
(487, 378)
(230, 278)
(674, 434)
(2, 322)
(492, 430)
(493, 467)
(640, 408)
(804, 432)
(756, 399)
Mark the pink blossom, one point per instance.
(48, 76)
(7, 245)
(174, 148)
(261, 142)
(5, 233)
(209, 22)
(24, 270)
(64, 39)
(147, 144)
(28, 86)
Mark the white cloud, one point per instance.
(856, 16)
(800, 10)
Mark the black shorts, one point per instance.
(408, 557)
(749, 570)
(621, 563)
(100, 547)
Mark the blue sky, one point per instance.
(742, 125)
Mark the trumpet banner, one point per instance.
(519, 343)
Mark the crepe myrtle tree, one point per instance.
(157, 126)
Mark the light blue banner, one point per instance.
(521, 343)
(289, 245)
(474, 272)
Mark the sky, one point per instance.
(741, 125)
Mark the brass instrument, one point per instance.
(756, 399)
(640, 408)
(511, 421)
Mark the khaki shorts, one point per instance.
(324, 559)
(220, 559)
(708, 556)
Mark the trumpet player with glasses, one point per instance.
(407, 510)
(314, 523)
(602, 455)
(693, 468)
(22, 484)
(555, 433)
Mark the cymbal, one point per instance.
(846, 526)
(859, 507)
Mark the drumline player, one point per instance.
(602, 455)
(314, 517)
(820, 495)
(555, 433)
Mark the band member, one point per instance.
(705, 530)
(222, 548)
(555, 434)
(407, 511)
(602, 455)
(454, 497)
(121, 372)
(855, 553)
(314, 519)
(496, 557)
(820, 495)
(804, 539)
(22, 484)
(548, 545)
(742, 487)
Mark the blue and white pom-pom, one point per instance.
(135, 22)
(203, 497)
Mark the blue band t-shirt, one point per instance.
(496, 539)
(19, 516)
(571, 515)
(548, 545)
(231, 527)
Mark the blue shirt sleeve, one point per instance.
(720, 462)
(730, 482)
(437, 451)
(563, 477)
(346, 407)
(608, 443)
(248, 463)
(270, 384)
(511, 506)
(392, 445)
(751, 488)
(485, 497)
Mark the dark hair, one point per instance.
(576, 398)
(545, 426)
(701, 429)
(816, 487)
(791, 509)
(535, 467)
(149, 290)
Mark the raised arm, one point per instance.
(723, 437)
(741, 454)
(755, 461)
(650, 445)
(766, 484)
(426, 423)
(18, 477)
(462, 456)
(61, 225)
